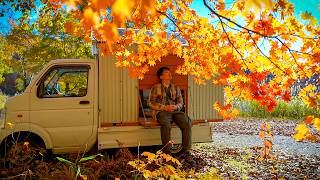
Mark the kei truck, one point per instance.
(73, 104)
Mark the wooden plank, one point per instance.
(150, 122)
(133, 136)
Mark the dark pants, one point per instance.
(182, 121)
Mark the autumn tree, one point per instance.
(34, 43)
(4, 54)
(238, 46)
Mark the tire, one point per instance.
(22, 148)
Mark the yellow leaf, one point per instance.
(316, 123)
(147, 174)
(302, 129)
(121, 10)
(126, 53)
(151, 62)
(125, 63)
(84, 177)
(149, 155)
(298, 137)
(268, 126)
(258, 5)
(232, 79)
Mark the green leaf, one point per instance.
(89, 157)
(65, 161)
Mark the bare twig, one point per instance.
(175, 24)
(290, 51)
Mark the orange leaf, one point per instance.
(286, 96)
(268, 143)
(102, 4)
(263, 126)
(133, 72)
(69, 27)
(220, 6)
(261, 135)
(309, 119)
(90, 18)
(312, 137)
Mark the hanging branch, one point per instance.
(252, 31)
(224, 30)
(267, 56)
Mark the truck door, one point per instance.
(63, 105)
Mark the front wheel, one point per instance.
(21, 149)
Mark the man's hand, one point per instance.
(170, 108)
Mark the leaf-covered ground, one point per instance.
(227, 161)
(238, 163)
(251, 126)
(236, 150)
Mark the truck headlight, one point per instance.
(2, 117)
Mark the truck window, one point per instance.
(64, 82)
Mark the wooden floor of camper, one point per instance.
(133, 136)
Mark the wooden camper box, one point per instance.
(121, 99)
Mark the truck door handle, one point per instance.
(84, 102)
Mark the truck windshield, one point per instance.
(65, 82)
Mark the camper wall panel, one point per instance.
(201, 99)
(110, 90)
(130, 105)
(118, 93)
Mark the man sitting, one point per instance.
(166, 102)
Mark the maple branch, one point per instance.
(224, 30)
(290, 51)
(249, 30)
(228, 19)
(267, 56)
(296, 35)
(302, 52)
(175, 24)
(233, 46)
(165, 14)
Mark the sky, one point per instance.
(312, 6)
